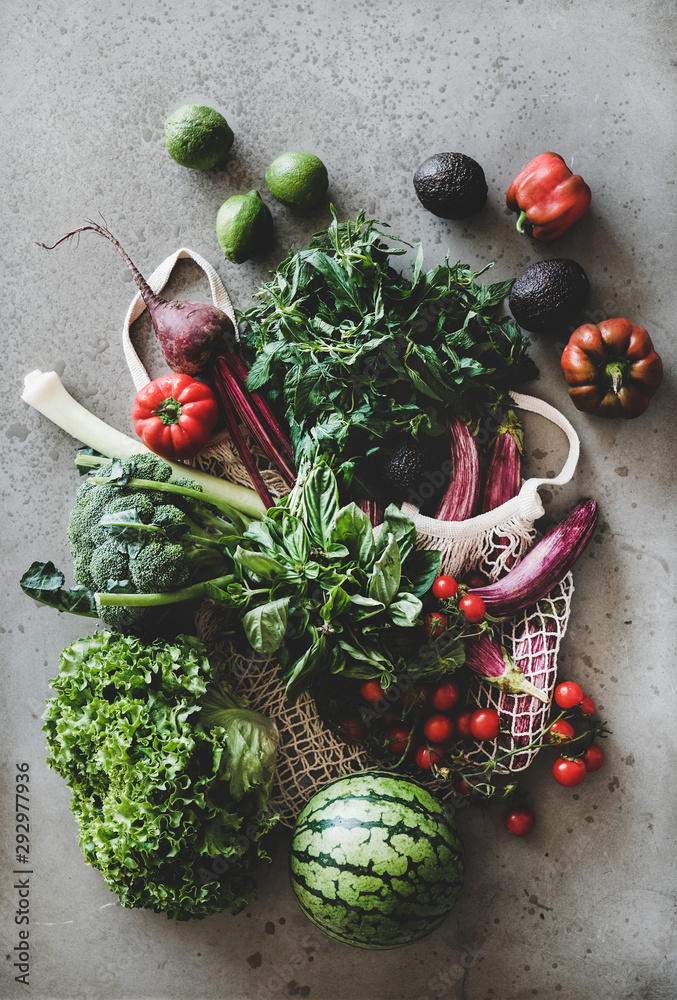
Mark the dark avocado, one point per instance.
(451, 185)
(403, 467)
(547, 295)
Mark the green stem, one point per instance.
(615, 372)
(151, 484)
(169, 411)
(521, 220)
(157, 600)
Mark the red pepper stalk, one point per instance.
(462, 495)
(548, 197)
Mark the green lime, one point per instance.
(243, 225)
(297, 179)
(197, 136)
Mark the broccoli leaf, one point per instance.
(45, 583)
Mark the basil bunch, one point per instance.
(316, 584)
(350, 349)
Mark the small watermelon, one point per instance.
(376, 860)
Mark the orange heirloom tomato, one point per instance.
(174, 416)
(612, 368)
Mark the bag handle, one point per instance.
(527, 504)
(157, 282)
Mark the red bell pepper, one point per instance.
(548, 197)
(612, 368)
(174, 416)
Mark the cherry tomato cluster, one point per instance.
(440, 717)
(422, 724)
(460, 606)
(570, 770)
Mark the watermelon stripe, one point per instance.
(376, 861)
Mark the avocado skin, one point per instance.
(548, 294)
(451, 185)
(403, 466)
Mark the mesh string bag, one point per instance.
(310, 754)
(492, 543)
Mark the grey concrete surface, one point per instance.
(585, 906)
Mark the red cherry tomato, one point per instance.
(520, 822)
(475, 579)
(569, 772)
(351, 727)
(438, 728)
(485, 724)
(435, 624)
(473, 608)
(426, 757)
(593, 757)
(445, 586)
(560, 732)
(587, 707)
(444, 695)
(371, 691)
(569, 694)
(397, 739)
(463, 724)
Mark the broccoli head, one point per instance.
(134, 531)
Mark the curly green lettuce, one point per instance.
(170, 773)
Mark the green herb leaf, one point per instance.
(262, 565)
(266, 624)
(405, 610)
(387, 573)
(320, 504)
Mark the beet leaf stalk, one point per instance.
(462, 494)
(189, 333)
(544, 566)
(232, 395)
(493, 664)
(233, 427)
(241, 373)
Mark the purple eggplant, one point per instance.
(503, 476)
(463, 492)
(374, 511)
(544, 566)
(494, 665)
(502, 482)
(534, 648)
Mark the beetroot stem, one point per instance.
(238, 368)
(230, 418)
(228, 385)
(147, 293)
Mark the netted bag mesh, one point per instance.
(220, 458)
(309, 754)
(533, 639)
(492, 551)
